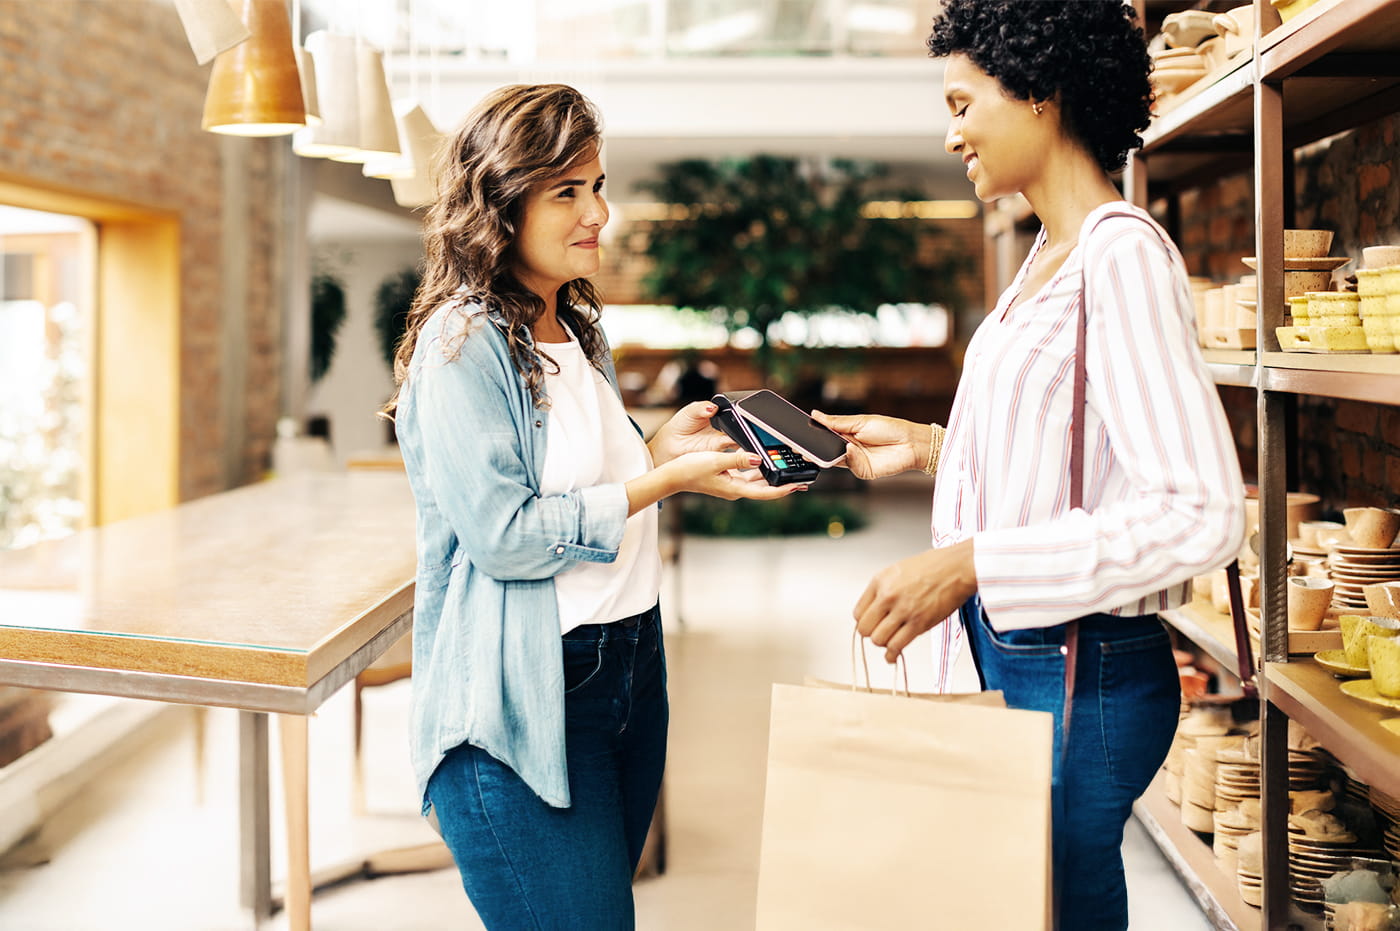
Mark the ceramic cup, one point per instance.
(1308, 530)
(1385, 665)
(1357, 631)
(1382, 599)
(1374, 528)
(1296, 282)
(1308, 600)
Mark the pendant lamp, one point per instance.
(422, 142)
(254, 89)
(211, 26)
(310, 100)
(337, 90)
(379, 136)
(401, 165)
(306, 70)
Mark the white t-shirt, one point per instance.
(590, 441)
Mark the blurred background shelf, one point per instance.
(1192, 858)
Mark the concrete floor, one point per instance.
(152, 845)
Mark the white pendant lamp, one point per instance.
(423, 143)
(311, 101)
(337, 87)
(211, 26)
(306, 70)
(254, 89)
(401, 166)
(379, 135)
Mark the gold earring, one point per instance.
(1038, 108)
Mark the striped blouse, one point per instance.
(1163, 495)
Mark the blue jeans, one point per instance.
(527, 865)
(1126, 701)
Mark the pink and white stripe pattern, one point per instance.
(1163, 495)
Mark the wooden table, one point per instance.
(266, 599)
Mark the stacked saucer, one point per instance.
(1352, 568)
(1388, 819)
(1237, 811)
(1251, 869)
(1309, 769)
(1317, 848)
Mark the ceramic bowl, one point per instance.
(1308, 601)
(1188, 28)
(1308, 530)
(1375, 528)
(1357, 631)
(1303, 244)
(1375, 257)
(1302, 282)
(1385, 664)
(1287, 9)
(1236, 27)
(1382, 599)
(1378, 335)
(1370, 282)
(1174, 80)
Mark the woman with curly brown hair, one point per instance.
(539, 711)
(1052, 561)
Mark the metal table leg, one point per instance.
(254, 829)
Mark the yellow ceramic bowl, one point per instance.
(1390, 279)
(1287, 9)
(1392, 304)
(1370, 282)
(1333, 319)
(1357, 631)
(1385, 665)
(1373, 305)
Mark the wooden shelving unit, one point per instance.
(1193, 860)
(1233, 366)
(1349, 729)
(1332, 68)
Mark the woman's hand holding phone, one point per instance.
(688, 431)
(876, 445)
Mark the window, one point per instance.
(47, 262)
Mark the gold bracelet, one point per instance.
(935, 448)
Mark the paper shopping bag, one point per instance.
(890, 811)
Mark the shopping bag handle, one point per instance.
(858, 646)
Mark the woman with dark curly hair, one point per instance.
(539, 709)
(1052, 562)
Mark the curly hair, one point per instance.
(517, 138)
(1089, 55)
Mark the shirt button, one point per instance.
(559, 550)
(539, 423)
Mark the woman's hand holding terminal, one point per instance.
(915, 595)
(877, 446)
(709, 473)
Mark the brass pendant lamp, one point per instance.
(254, 89)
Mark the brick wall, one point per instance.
(103, 98)
(1349, 451)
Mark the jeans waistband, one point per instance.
(593, 631)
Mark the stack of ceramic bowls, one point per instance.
(1198, 801)
(1315, 325)
(1236, 802)
(1204, 723)
(1251, 869)
(1378, 286)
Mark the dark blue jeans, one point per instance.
(1126, 702)
(527, 865)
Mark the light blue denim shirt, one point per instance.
(487, 654)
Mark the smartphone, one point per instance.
(778, 462)
(792, 426)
